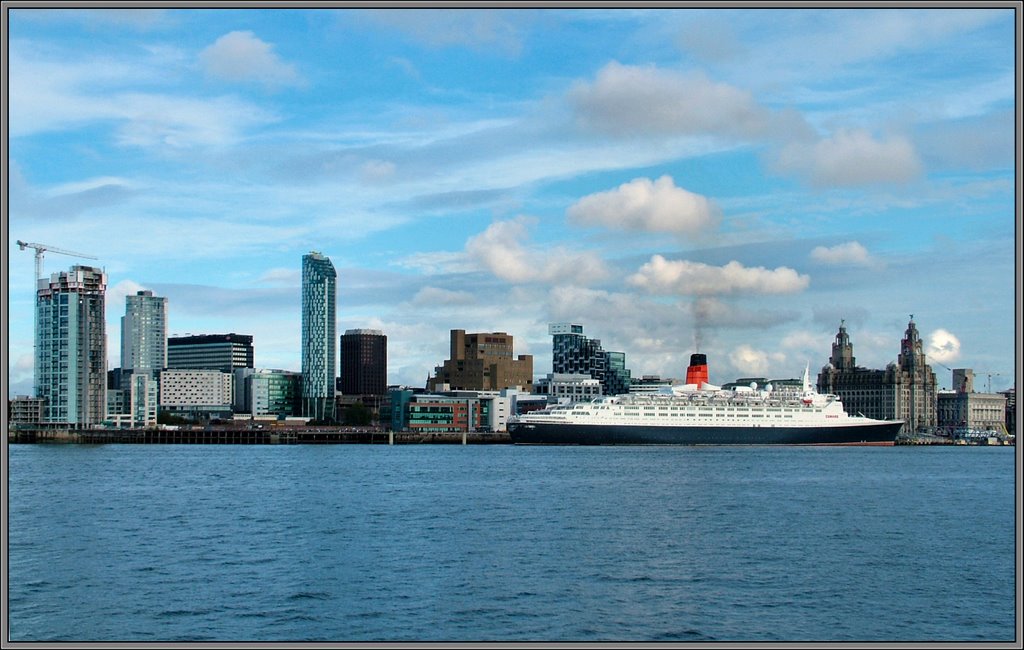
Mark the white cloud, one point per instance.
(499, 250)
(682, 277)
(289, 277)
(851, 157)
(486, 30)
(632, 100)
(847, 253)
(943, 346)
(241, 56)
(658, 206)
(755, 363)
(376, 171)
(434, 296)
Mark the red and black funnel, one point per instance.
(697, 373)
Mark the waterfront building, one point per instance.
(1011, 409)
(144, 333)
(482, 361)
(197, 394)
(962, 410)
(649, 384)
(364, 362)
(573, 353)
(143, 356)
(319, 356)
(24, 409)
(223, 352)
(568, 387)
(450, 411)
(71, 347)
(905, 390)
(267, 392)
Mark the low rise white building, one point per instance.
(568, 387)
(195, 391)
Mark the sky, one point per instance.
(731, 181)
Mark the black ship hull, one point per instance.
(882, 433)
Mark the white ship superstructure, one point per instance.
(705, 414)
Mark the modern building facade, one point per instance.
(144, 333)
(364, 362)
(905, 390)
(267, 392)
(319, 354)
(223, 352)
(573, 353)
(450, 411)
(482, 362)
(196, 393)
(565, 387)
(143, 356)
(71, 347)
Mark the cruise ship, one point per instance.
(699, 413)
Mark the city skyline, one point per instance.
(675, 180)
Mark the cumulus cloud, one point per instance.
(652, 206)
(851, 157)
(682, 277)
(240, 56)
(635, 100)
(943, 346)
(499, 249)
(848, 253)
(751, 362)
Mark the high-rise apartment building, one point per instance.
(144, 333)
(71, 347)
(482, 361)
(364, 362)
(143, 356)
(573, 353)
(224, 352)
(319, 369)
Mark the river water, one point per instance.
(508, 543)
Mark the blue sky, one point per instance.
(733, 180)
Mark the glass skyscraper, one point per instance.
(71, 347)
(319, 340)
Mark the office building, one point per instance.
(223, 352)
(905, 390)
(573, 353)
(319, 356)
(197, 394)
(267, 392)
(482, 361)
(71, 347)
(364, 362)
(566, 387)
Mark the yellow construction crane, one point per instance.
(53, 249)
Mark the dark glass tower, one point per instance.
(319, 369)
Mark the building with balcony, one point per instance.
(71, 347)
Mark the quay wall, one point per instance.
(248, 437)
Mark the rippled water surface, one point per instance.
(500, 543)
